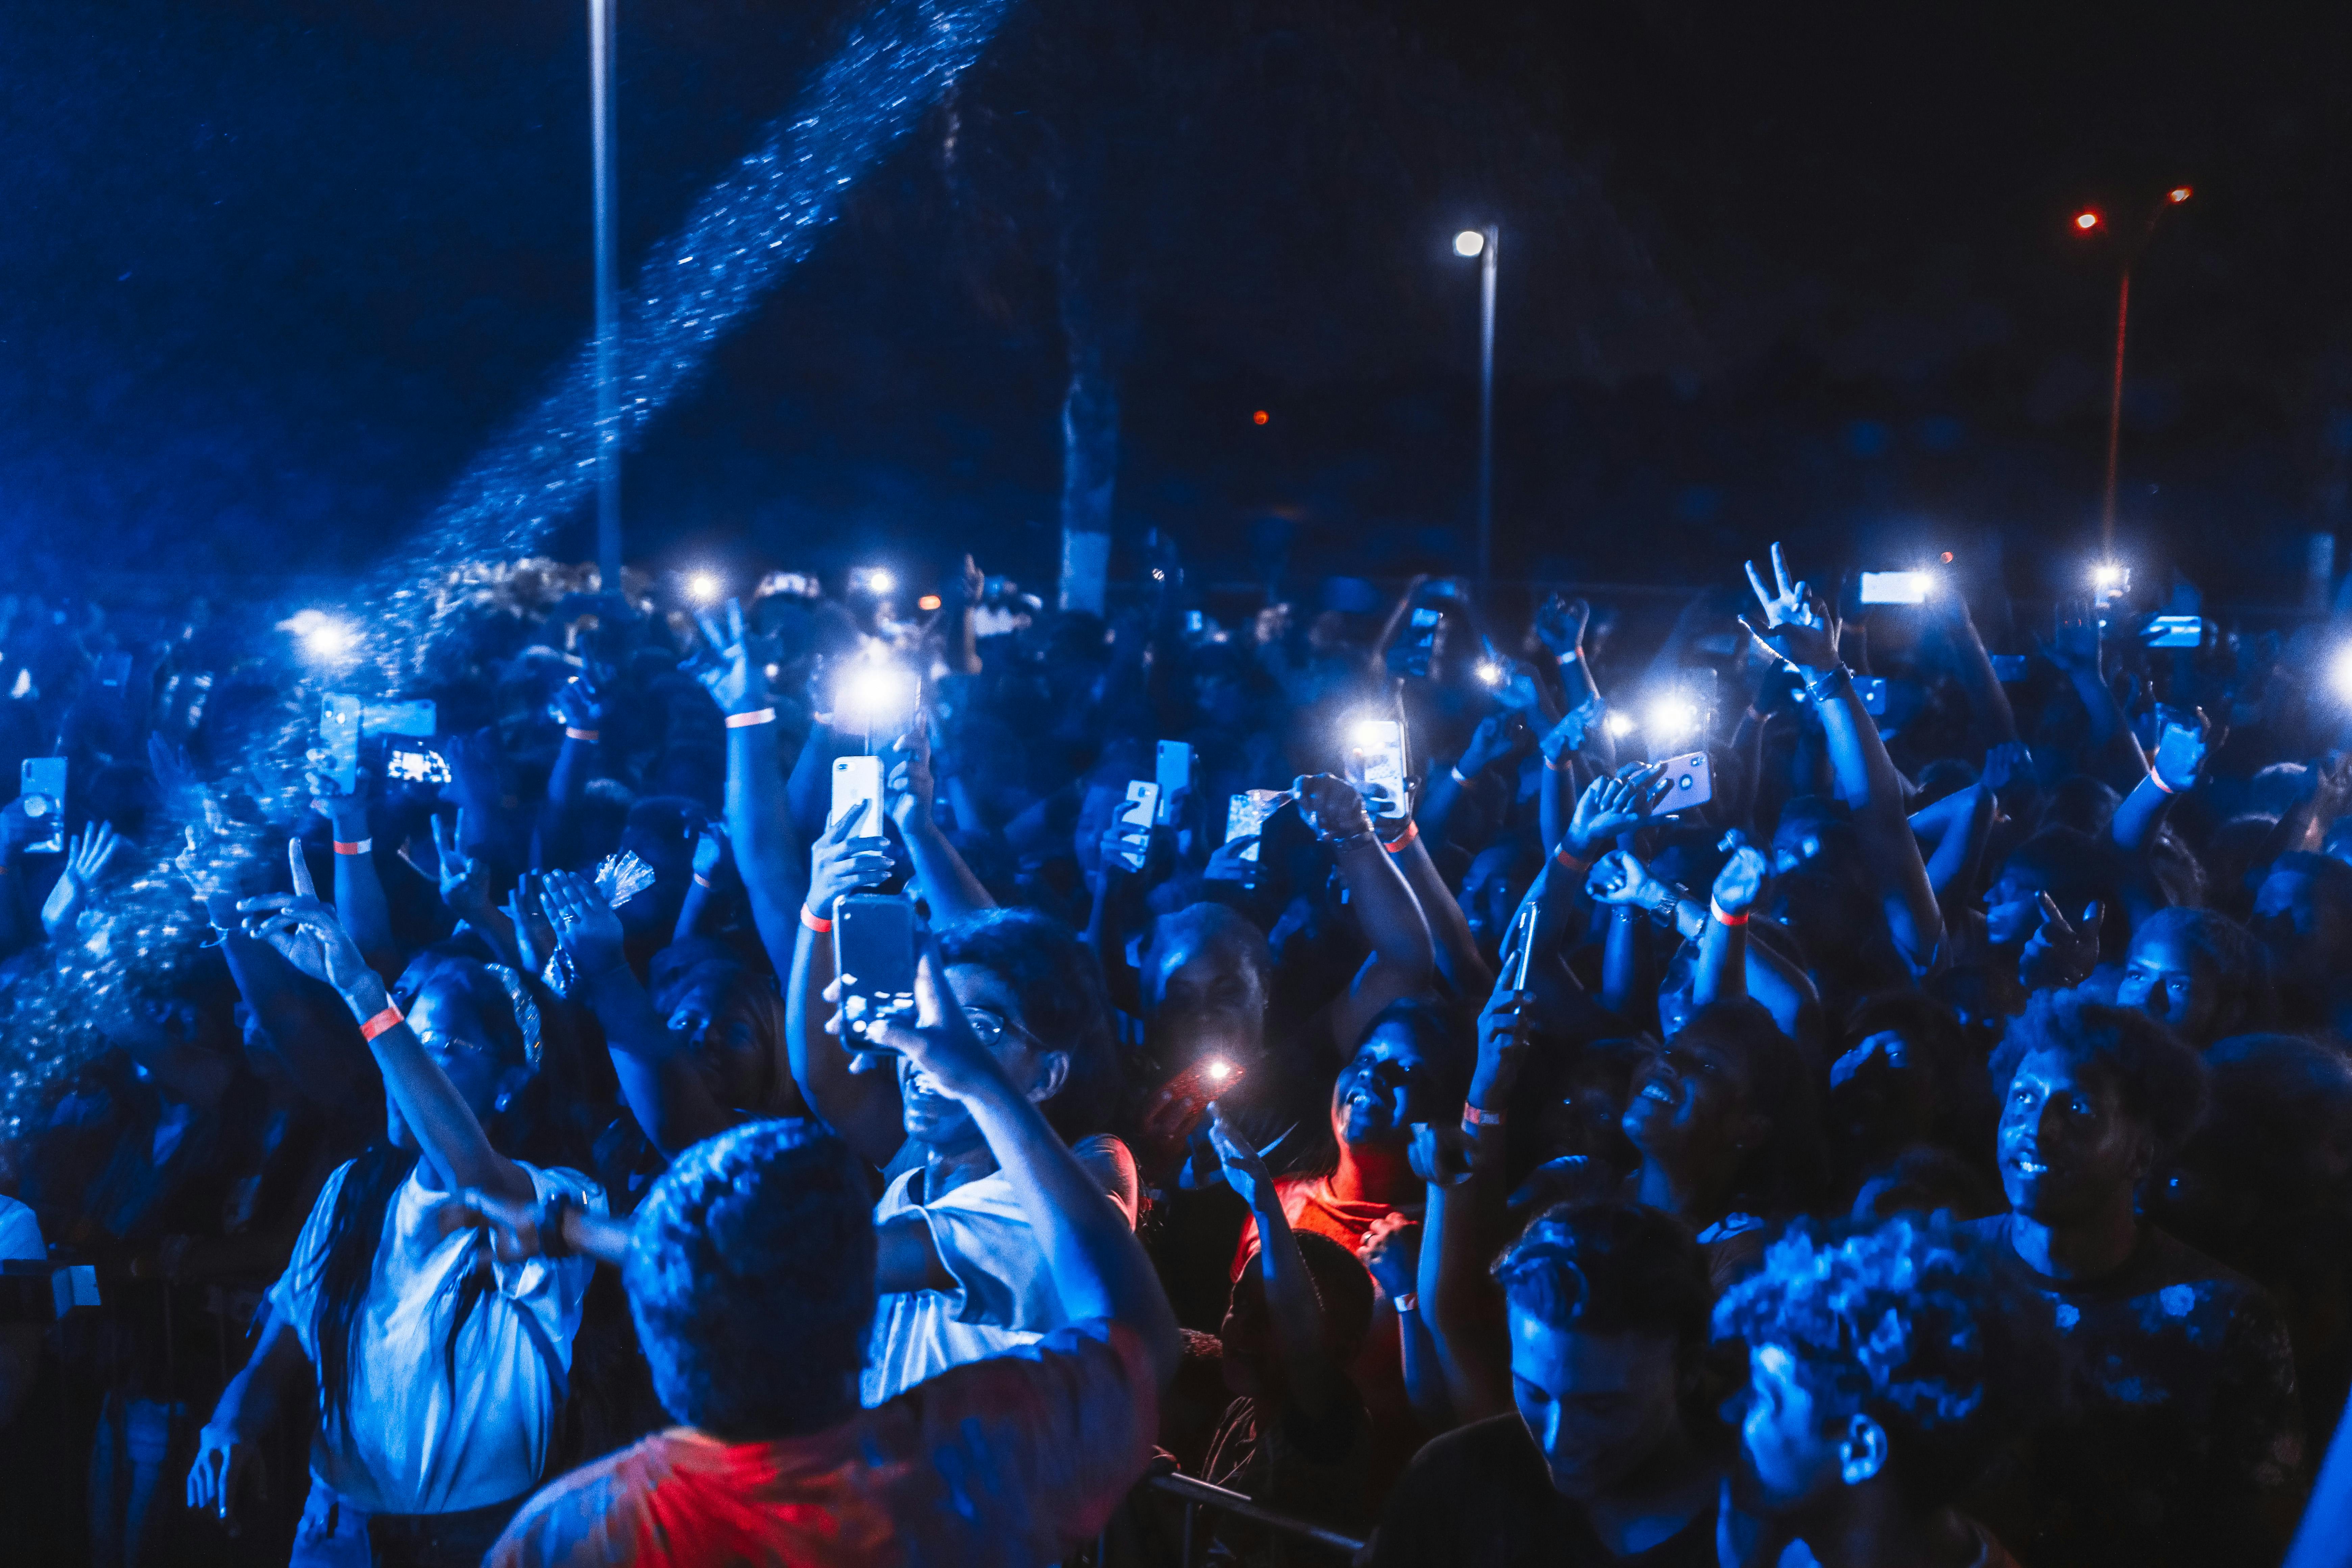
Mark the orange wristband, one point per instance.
(819, 926)
(1723, 915)
(2158, 780)
(745, 721)
(1396, 847)
(700, 880)
(388, 1018)
(361, 846)
(590, 736)
(1569, 863)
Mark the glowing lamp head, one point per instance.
(703, 587)
(1489, 673)
(2178, 194)
(872, 690)
(1619, 725)
(1371, 731)
(1469, 242)
(324, 638)
(1219, 1070)
(2107, 575)
(2339, 672)
(876, 580)
(2086, 221)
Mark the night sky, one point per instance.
(275, 270)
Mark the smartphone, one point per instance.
(2007, 667)
(1381, 743)
(1202, 1083)
(1871, 689)
(1523, 927)
(1894, 587)
(874, 954)
(1245, 815)
(42, 782)
(856, 779)
(1688, 785)
(2174, 631)
(416, 720)
(1174, 773)
(1194, 623)
(1419, 645)
(338, 737)
(115, 669)
(1135, 818)
(415, 764)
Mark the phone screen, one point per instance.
(1245, 815)
(1382, 742)
(1174, 773)
(1135, 817)
(874, 952)
(857, 780)
(1894, 587)
(1525, 924)
(2176, 631)
(415, 764)
(43, 791)
(339, 736)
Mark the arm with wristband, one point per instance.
(1403, 957)
(360, 902)
(759, 827)
(2179, 760)
(554, 842)
(863, 1106)
(1722, 971)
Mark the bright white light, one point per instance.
(2106, 574)
(1220, 1070)
(879, 579)
(2339, 672)
(1469, 242)
(1619, 724)
(1373, 731)
(1490, 672)
(1670, 717)
(323, 637)
(873, 691)
(703, 587)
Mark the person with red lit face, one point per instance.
(2184, 1446)
(1601, 1463)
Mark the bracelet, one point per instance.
(1724, 916)
(1456, 771)
(1408, 1302)
(1397, 845)
(1352, 840)
(1570, 657)
(1474, 1117)
(1838, 679)
(1560, 764)
(1670, 900)
(745, 721)
(819, 926)
(589, 735)
(353, 846)
(387, 1020)
(1568, 862)
(2158, 780)
(700, 880)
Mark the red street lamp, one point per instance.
(2090, 221)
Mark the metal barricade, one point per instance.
(1193, 1496)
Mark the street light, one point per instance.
(2090, 221)
(1483, 244)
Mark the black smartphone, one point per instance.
(874, 954)
(415, 764)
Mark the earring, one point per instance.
(506, 1098)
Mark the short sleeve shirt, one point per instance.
(1004, 1296)
(20, 1233)
(1014, 1461)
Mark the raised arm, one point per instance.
(758, 826)
(861, 1107)
(949, 887)
(360, 902)
(1800, 630)
(1722, 972)
(89, 854)
(305, 931)
(2179, 759)
(1403, 957)
(1315, 1380)
(567, 782)
(1098, 1267)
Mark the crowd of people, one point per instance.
(1821, 1090)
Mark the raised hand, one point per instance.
(465, 881)
(578, 700)
(972, 581)
(1560, 624)
(1504, 1033)
(941, 1045)
(909, 783)
(1799, 627)
(1569, 735)
(581, 922)
(2059, 954)
(2181, 754)
(711, 857)
(305, 933)
(1620, 878)
(1496, 737)
(2073, 643)
(1245, 1169)
(1391, 1252)
(1613, 805)
(88, 855)
(1333, 807)
(1741, 881)
(843, 859)
(535, 936)
(345, 810)
(1518, 692)
(2007, 761)
(736, 681)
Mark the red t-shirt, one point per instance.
(1308, 1204)
(1015, 1460)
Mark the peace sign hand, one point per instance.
(2057, 954)
(1799, 627)
(305, 931)
(735, 681)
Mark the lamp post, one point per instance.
(1483, 243)
(608, 432)
(2090, 221)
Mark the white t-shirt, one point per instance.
(20, 1233)
(1004, 1295)
(411, 1446)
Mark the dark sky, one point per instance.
(273, 270)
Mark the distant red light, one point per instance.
(2086, 221)
(1260, 417)
(2181, 194)
(1948, 558)
(928, 602)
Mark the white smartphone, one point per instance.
(339, 736)
(1135, 817)
(1689, 784)
(1245, 815)
(1382, 742)
(1174, 773)
(1894, 587)
(856, 780)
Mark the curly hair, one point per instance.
(760, 1237)
(1609, 1269)
(1907, 1323)
(2160, 1077)
(1063, 1002)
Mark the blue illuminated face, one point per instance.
(1597, 1405)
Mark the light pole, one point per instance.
(2090, 221)
(608, 431)
(1483, 243)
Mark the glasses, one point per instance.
(988, 1027)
